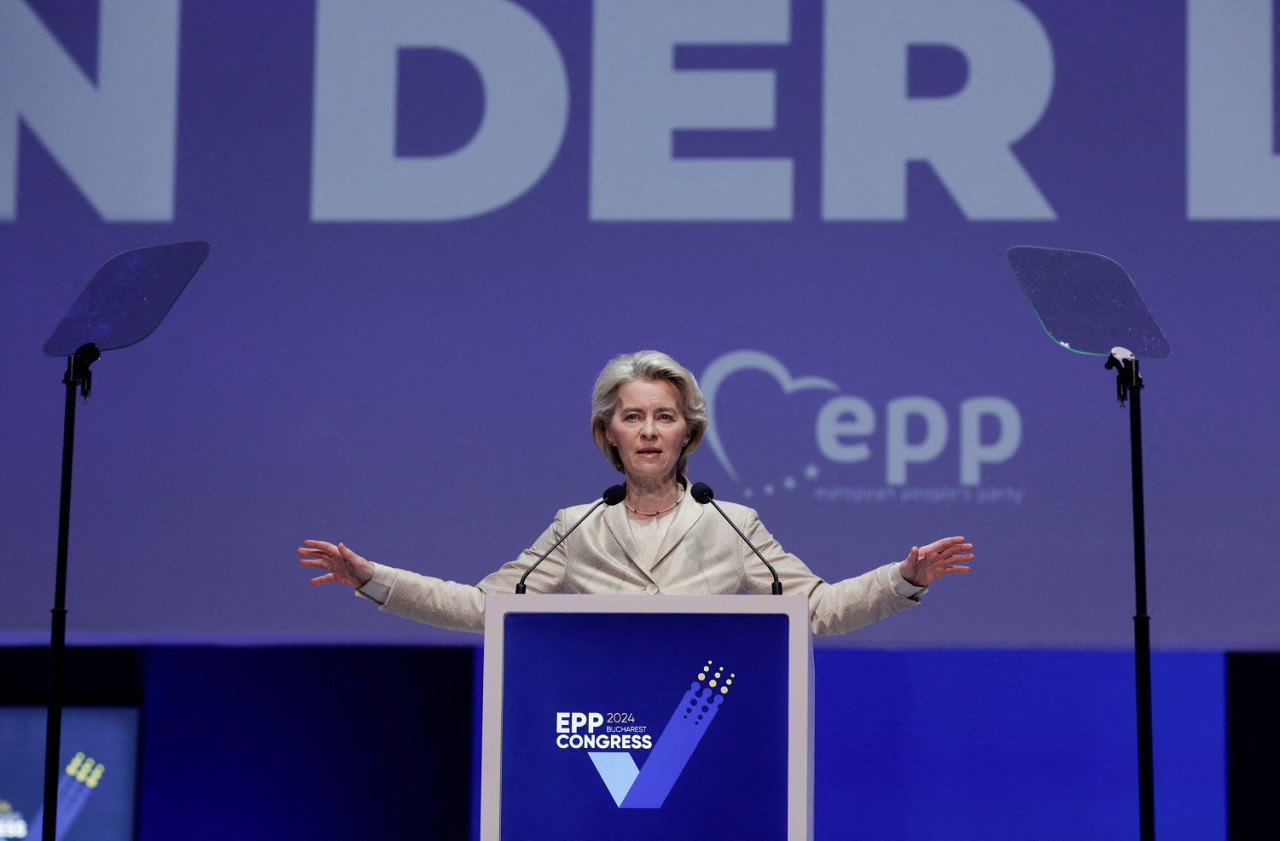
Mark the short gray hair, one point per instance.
(646, 365)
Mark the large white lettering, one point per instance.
(899, 449)
(355, 173)
(844, 421)
(639, 99)
(973, 451)
(1232, 169)
(871, 128)
(115, 139)
(840, 420)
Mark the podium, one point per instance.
(641, 717)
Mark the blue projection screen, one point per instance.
(97, 779)
(433, 222)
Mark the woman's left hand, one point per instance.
(926, 564)
(339, 563)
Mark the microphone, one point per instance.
(701, 492)
(612, 496)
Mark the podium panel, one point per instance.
(640, 717)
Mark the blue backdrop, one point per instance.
(432, 223)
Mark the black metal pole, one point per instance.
(1141, 621)
(1130, 386)
(76, 380)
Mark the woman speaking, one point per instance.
(648, 415)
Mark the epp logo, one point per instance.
(846, 421)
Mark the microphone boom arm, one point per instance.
(612, 496)
(702, 493)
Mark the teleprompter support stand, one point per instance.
(78, 381)
(1088, 304)
(1129, 386)
(123, 304)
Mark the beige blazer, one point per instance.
(700, 554)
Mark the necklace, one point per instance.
(679, 497)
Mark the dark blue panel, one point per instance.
(97, 779)
(979, 745)
(306, 743)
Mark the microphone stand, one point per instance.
(1129, 386)
(78, 378)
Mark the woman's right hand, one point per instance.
(339, 563)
